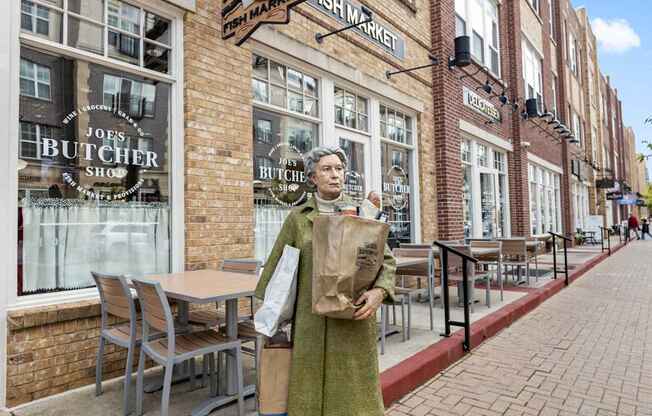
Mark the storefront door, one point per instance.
(357, 181)
(489, 205)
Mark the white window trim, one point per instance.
(486, 34)
(36, 82)
(528, 47)
(8, 246)
(535, 178)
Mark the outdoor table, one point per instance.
(410, 261)
(591, 237)
(210, 286)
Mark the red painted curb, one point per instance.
(409, 374)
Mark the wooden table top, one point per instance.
(410, 261)
(206, 286)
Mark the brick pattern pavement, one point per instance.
(585, 351)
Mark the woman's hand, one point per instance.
(372, 300)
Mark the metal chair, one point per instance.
(176, 349)
(116, 299)
(455, 275)
(490, 260)
(419, 272)
(515, 254)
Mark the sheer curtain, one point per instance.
(268, 222)
(64, 240)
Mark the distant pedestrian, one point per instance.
(645, 228)
(632, 224)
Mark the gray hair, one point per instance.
(312, 158)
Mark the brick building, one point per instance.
(145, 143)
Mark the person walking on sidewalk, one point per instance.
(645, 228)
(632, 224)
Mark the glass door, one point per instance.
(356, 177)
(488, 204)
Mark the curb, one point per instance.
(409, 374)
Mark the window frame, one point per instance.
(490, 13)
(35, 81)
(176, 126)
(356, 112)
(531, 57)
(546, 183)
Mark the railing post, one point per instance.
(554, 256)
(444, 289)
(609, 242)
(565, 262)
(601, 239)
(467, 317)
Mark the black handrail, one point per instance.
(604, 230)
(554, 255)
(444, 249)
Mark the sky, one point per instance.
(624, 32)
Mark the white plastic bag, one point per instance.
(280, 295)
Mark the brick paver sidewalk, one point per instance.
(585, 351)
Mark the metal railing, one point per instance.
(605, 231)
(444, 249)
(554, 254)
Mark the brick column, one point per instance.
(446, 102)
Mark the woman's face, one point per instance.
(329, 176)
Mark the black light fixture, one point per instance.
(573, 140)
(365, 10)
(433, 61)
(548, 114)
(532, 108)
(462, 53)
(503, 98)
(486, 87)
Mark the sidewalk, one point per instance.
(585, 351)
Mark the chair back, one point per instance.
(414, 245)
(421, 252)
(115, 299)
(492, 244)
(249, 266)
(156, 309)
(455, 262)
(514, 249)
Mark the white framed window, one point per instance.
(135, 98)
(553, 91)
(395, 125)
(31, 140)
(351, 110)
(545, 205)
(577, 128)
(572, 53)
(532, 74)
(594, 145)
(478, 19)
(110, 28)
(284, 87)
(535, 5)
(551, 18)
(34, 80)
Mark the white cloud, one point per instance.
(615, 35)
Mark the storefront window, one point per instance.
(280, 141)
(94, 180)
(284, 87)
(395, 126)
(351, 110)
(467, 188)
(545, 209)
(85, 25)
(354, 180)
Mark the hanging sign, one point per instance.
(480, 105)
(614, 196)
(604, 183)
(348, 13)
(241, 18)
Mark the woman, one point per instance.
(334, 362)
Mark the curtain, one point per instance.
(268, 222)
(64, 240)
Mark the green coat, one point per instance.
(334, 361)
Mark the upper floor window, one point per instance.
(133, 34)
(554, 108)
(535, 5)
(34, 80)
(478, 19)
(532, 75)
(577, 128)
(133, 97)
(572, 53)
(551, 18)
(284, 87)
(351, 110)
(395, 125)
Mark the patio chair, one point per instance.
(419, 272)
(455, 275)
(515, 255)
(116, 299)
(490, 260)
(176, 349)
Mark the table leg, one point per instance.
(232, 333)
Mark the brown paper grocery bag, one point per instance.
(274, 380)
(348, 252)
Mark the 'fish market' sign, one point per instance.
(349, 14)
(241, 18)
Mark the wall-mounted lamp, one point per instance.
(462, 53)
(573, 140)
(503, 98)
(365, 10)
(486, 87)
(433, 61)
(531, 108)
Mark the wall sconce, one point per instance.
(433, 61)
(365, 10)
(462, 53)
(503, 98)
(486, 87)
